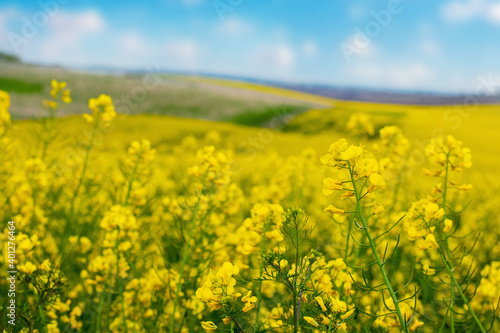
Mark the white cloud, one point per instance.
(182, 53)
(277, 57)
(65, 33)
(135, 50)
(395, 76)
(309, 48)
(132, 42)
(361, 45)
(71, 27)
(494, 12)
(464, 10)
(181, 49)
(430, 47)
(461, 10)
(409, 76)
(233, 26)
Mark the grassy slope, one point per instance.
(28, 85)
(300, 96)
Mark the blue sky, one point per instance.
(430, 45)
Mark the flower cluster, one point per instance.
(447, 154)
(265, 222)
(102, 110)
(211, 167)
(421, 222)
(141, 154)
(59, 91)
(488, 291)
(4, 111)
(392, 149)
(349, 163)
(219, 287)
(427, 217)
(136, 172)
(218, 292)
(118, 245)
(333, 313)
(360, 124)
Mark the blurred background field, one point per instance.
(173, 96)
(285, 111)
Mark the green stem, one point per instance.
(85, 162)
(448, 262)
(99, 312)
(351, 221)
(375, 253)
(120, 284)
(69, 222)
(476, 319)
(357, 253)
(259, 288)
(48, 137)
(237, 324)
(295, 291)
(34, 193)
(132, 179)
(460, 291)
(39, 309)
(358, 249)
(183, 263)
(295, 319)
(452, 288)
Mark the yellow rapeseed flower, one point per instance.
(208, 326)
(311, 321)
(27, 267)
(334, 210)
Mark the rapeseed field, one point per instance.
(359, 218)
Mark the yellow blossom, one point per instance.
(27, 267)
(351, 152)
(311, 321)
(321, 303)
(330, 185)
(448, 224)
(347, 314)
(334, 210)
(208, 325)
(428, 270)
(102, 108)
(416, 324)
(377, 209)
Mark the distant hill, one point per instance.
(9, 58)
(385, 96)
(391, 97)
(356, 94)
(366, 94)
